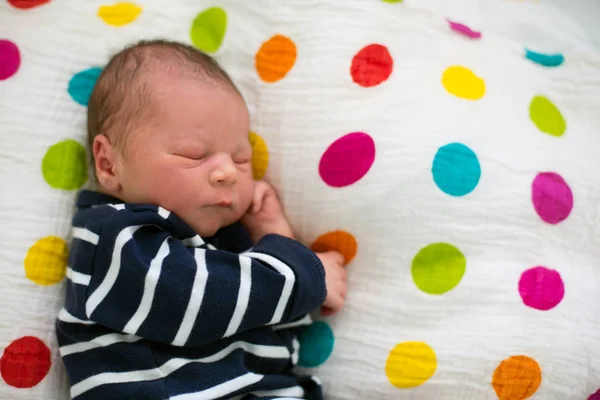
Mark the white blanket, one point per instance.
(465, 173)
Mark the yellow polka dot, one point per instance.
(410, 364)
(119, 14)
(463, 83)
(260, 156)
(46, 261)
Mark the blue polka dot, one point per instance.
(82, 84)
(316, 345)
(547, 60)
(456, 170)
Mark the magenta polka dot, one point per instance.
(10, 59)
(347, 159)
(594, 396)
(541, 288)
(552, 197)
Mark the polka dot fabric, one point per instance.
(453, 170)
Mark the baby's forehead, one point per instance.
(126, 94)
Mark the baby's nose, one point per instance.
(224, 174)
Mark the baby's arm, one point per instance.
(148, 284)
(266, 216)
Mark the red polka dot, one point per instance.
(372, 65)
(10, 59)
(25, 362)
(27, 4)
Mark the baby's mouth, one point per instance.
(224, 203)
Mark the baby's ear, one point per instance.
(105, 163)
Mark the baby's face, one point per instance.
(193, 157)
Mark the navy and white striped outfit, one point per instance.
(153, 311)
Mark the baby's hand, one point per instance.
(335, 280)
(266, 214)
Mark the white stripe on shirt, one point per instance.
(222, 389)
(163, 212)
(288, 286)
(100, 341)
(78, 277)
(285, 398)
(296, 353)
(304, 321)
(294, 392)
(174, 364)
(194, 241)
(113, 270)
(86, 235)
(150, 283)
(65, 316)
(243, 296)
(193, 307)
(119, 206)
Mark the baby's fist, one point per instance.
(336, 281)
(266, 214)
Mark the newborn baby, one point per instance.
(185, 281)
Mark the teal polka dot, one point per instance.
(82, 84)
(316, 345)
(456, 170)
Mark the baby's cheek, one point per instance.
(174, 189)
(246, 193)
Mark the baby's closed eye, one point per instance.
(190, 155)
(242, 158)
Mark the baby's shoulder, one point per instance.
(111, 219)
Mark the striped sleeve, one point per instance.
(146, 283)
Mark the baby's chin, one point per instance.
(206, 229)
(210, 226)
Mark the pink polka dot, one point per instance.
(464, 30)
(10, 59)
(347, 159)
(594, 396)
(552, 197)
(541, 288)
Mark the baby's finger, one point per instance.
(339, 258)
(344, 291)
(335, 302)
(336, 257)
(257, 200)
(344, 275)
(326, 311)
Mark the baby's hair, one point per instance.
(122, 94)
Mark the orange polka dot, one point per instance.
(517, 378)
(341, 241)
(275, 58)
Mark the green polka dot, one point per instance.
(64, 166)
(208, 29)
(546, 116)
(438, 268)
(392, 1)
(316, 345)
